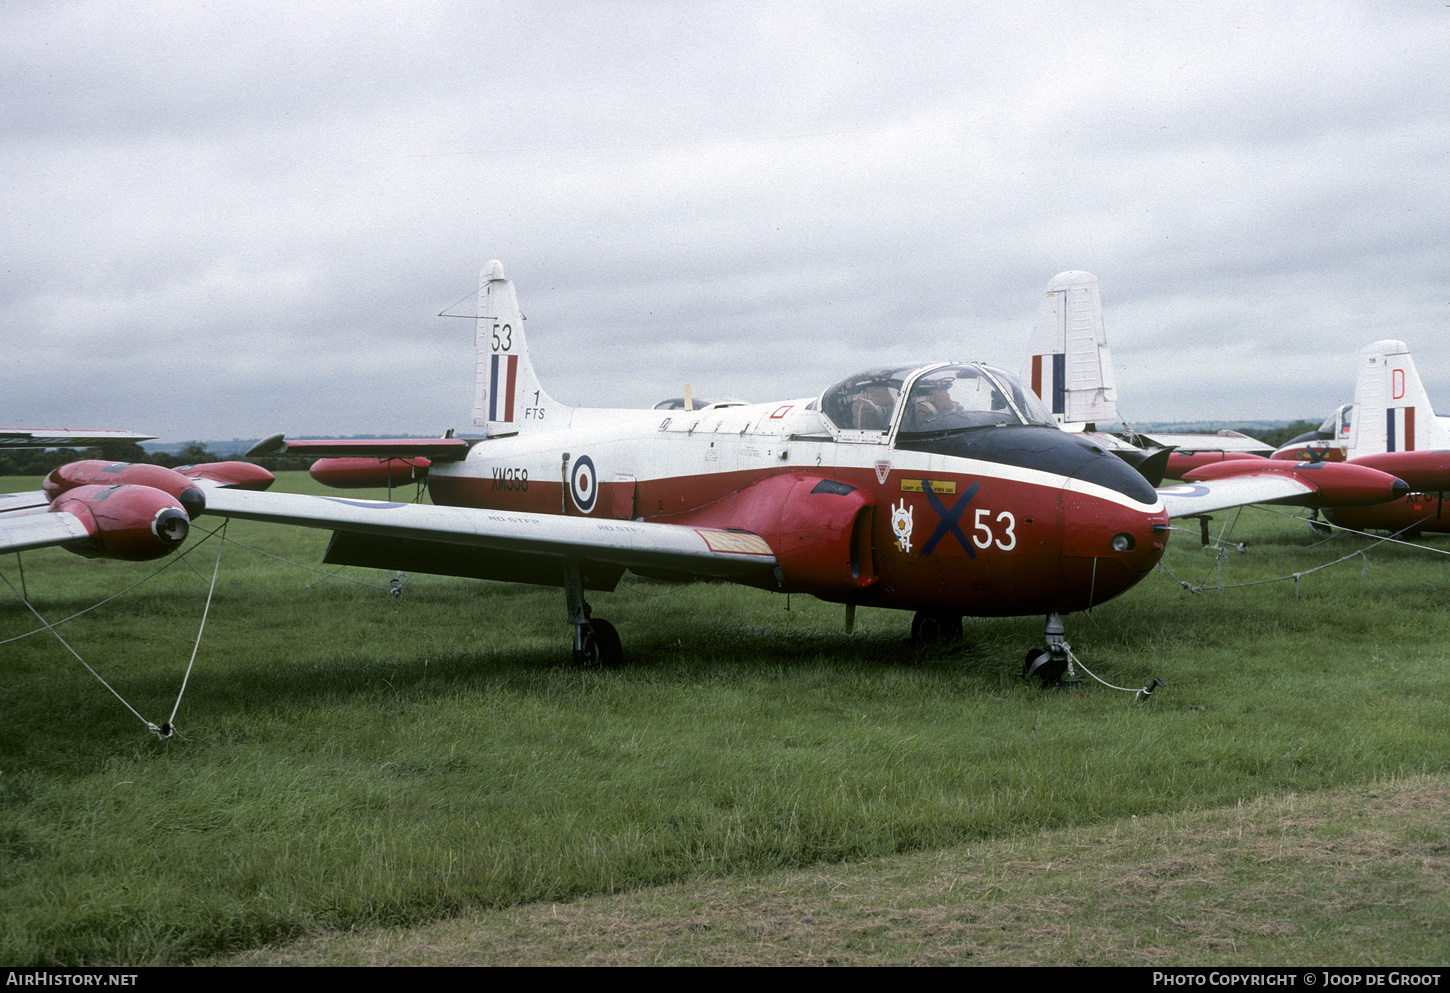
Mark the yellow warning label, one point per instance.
(937, 485)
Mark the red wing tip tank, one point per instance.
(132, 522)
(1337, 484)
(99, 472)
(120, 510)
(232, 475)
(1180, 463)
(1424, 471)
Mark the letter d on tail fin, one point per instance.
(1392, 413)
(1068, 362)
(507, 394)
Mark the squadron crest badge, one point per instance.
(901, 525)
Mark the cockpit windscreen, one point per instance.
(969, 396)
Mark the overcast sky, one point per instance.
(231, 219)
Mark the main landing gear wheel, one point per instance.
(603, 646)
(932, 628)
(596, 642)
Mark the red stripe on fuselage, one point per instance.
(1035, 548)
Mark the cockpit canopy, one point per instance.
(1337, 424)
(937, 398)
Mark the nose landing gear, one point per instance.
(1050, 664)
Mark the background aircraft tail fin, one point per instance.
(1392, 412)
(507, 394)
(1068, 363)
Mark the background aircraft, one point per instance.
(1390, 426)
(943, 488)
(1070, 366)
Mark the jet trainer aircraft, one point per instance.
(1390, 426)
(944, 488)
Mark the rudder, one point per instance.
(1069, 364)
(1392, 412)
(507, 394)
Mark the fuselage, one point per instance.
(984, 519)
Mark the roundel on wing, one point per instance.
(584, 483)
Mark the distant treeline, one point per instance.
(38, 462)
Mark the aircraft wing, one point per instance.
(66, 438)
(1191, 499)
(503, 544)
(22, 501)
(25, 523)
(1306, 484)
(21, 531)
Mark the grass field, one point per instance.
(347, 761)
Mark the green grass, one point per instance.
(346, 760)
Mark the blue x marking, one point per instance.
(949, 518)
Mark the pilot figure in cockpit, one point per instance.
(929, 400)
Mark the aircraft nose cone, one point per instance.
(194, 500)
(1399, 488)
(1107, 545)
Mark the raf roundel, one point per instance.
(583, 483)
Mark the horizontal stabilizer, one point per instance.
(437, 449)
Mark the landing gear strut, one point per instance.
(596, 642)
(1050, 663)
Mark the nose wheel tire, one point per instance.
(1040, 663)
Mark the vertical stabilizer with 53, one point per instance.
(507, 395)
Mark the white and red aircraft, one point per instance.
(1390, 426)
(942, 488)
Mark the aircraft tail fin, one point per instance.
(1069, 364)
(507, 394)
(1392, 412)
